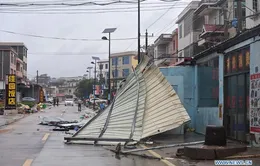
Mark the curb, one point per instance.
(13, 120)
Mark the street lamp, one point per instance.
(95, 59)
(109, 31)
(89, 71)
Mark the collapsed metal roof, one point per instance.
(145, 105)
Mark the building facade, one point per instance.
(252, 13)
(187, 35)
(163, 48)
(121, 65)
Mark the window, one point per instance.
(180, 31)
(101, 66)
(255, 5)
(115, 73)
(12, 58)
(125, 60)
(115, 61)
(125, 72)
(12, 71)
(106, 66)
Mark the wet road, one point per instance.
(25, 143)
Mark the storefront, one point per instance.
(236, 93)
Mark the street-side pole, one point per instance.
(109, 54)
(146, 42)
(94, 87)
(239, 16)
(37, 76)
(139, 58)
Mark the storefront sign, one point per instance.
(254, 60)
(234, 62)
(228, 65)
(41, 96)
(10, 97)
(237, 61)
(240, 61)
(255, 103)
(247, 58)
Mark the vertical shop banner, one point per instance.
(10, 96)
(254, 87)
(41, 96)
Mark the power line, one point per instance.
(161, 16)
(88, 9)
(21, 4)
(60, 38)
(79, 12)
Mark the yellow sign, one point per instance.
(247, 59)
(41, 96)
(11, 78)
(234, 62)
(228, 64)
(240, 61)
(12, 86)
(11, 92)
(11, 101)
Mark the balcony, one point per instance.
(206, 7)
(163, 39)
(19, 74)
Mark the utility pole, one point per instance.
(37, 77)
(239, 16)
(224, 10)
(139, 33)
(146, 41)
(116, 73)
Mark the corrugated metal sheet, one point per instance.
(145, 105)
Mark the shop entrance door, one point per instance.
(236, 93)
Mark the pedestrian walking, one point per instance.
(79, 105)
(57, 101)
(54, 101)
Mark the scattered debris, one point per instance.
(163, 147)
(144, 105)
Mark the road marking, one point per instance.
(159, 156)
(45, 137)
(28, 162)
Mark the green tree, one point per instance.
(84, 87)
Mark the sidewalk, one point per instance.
(7, 119)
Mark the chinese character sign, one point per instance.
(234, 63)
(253, 60)
(41, 96)
(240, 61)
(10, 97)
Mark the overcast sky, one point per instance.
(60, 58)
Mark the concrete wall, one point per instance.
(206, 116)
(183, 82)
(186, 81)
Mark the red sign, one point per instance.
(255, 76)
(255, 129)
(233, 102)
(247, 58)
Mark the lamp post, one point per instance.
(95, 72)
(89, 70)
(109, 31)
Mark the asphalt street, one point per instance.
(25, 143)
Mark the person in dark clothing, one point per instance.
(79, 105)
(54, 101)
(57, 101)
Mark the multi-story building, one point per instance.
(102, 69)
(13, 60)
(252, 13)
(187, 36)
(78, 78)
(174, 47)
(122, 64)
(163, 48)
(68, 87)
(209, 22)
